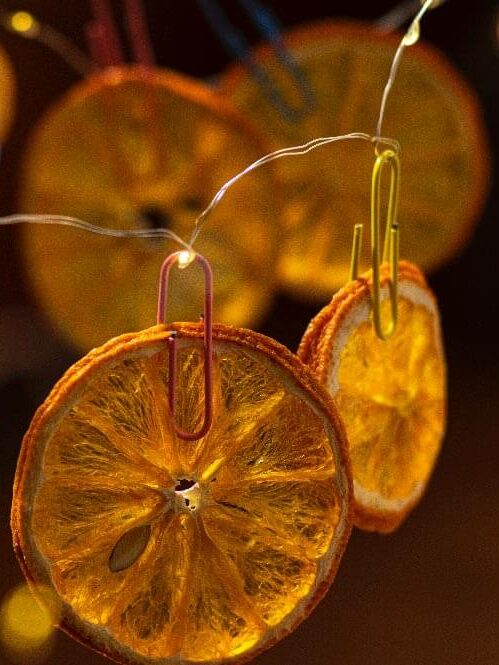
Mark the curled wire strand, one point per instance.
(410, 37)
(285, 152)
(378, 140)
(74, 222)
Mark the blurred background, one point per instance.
(428, 593)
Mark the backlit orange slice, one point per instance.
(8, 91)
(165, 551)
(431, 111)
(137, 148)
(391, 394)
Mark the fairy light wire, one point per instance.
(74, 222)
(398, 15)
(292, 151)
(410, 37)
(278, 154)
(401, 13)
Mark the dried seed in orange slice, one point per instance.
(431, 111)
(168, 551)
(133, 148)
(391, 394)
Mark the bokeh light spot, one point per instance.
(27, 624)
(23, 22)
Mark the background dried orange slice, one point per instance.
(138, 148)
(391, 394)
(8, 90)
(431, 111)
(205, 551)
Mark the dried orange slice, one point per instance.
(168, 551)
(137, 148)
(8, 88)
(390, 394)
(431, 111)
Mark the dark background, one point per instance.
(426, 595)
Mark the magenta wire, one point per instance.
(98, 46)
(139, 33)
(104, 36)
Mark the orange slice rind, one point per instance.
(390, 394)
(165, 551)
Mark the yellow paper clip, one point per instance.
(391, 241)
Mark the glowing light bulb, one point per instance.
(412, 35)
(434, 4)
(185, 258)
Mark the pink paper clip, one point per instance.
(139, 33)
(172, 342)
(103, 36)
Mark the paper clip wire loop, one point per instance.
(391, 241)
(172, 342)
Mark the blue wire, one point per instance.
(232, 39)
(264, 18)
(237, 45)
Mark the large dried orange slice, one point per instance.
(431, 111)
(137, 148)
(391, 394)
(166, 551)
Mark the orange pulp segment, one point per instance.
(431, 111)
(390, 394)
(183, 552)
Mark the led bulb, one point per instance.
(185, 258)
(412, 35)
(434, 4)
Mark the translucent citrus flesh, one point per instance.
(230, 558)
(135, 149)
(430, 111)
(391, 397)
